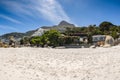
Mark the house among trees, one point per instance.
(74, 40)
(103, 40)
(83, 37)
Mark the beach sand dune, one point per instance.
(60, 64)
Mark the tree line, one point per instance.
(54, 38)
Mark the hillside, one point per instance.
(17, 35)
(38, 32)
(60, 27)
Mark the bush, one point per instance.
(52, 38)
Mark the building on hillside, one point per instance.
(103, 40)
(75, 40)
(82, 37)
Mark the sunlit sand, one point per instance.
(60, 64)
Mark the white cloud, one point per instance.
(9, 18)
(50, 10)
(4, 27)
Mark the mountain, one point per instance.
(38, 32)
(29, 33)
(60, 27)
(5, 37)
(16, 35)
(66, 24)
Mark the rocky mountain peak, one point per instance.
(65, 23)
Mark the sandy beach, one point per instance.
(60, 64)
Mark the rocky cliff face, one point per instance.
(39, 32)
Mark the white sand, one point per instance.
(60, 64)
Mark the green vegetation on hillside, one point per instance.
(49, 38)
(61, 34)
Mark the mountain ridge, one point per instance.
(60, 27)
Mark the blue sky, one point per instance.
(24, 15)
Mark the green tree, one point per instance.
(25, 41)
(36, 41)
(105, 26)
(44, 40)
(114, 28)
(114, 34)
(52, 37)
